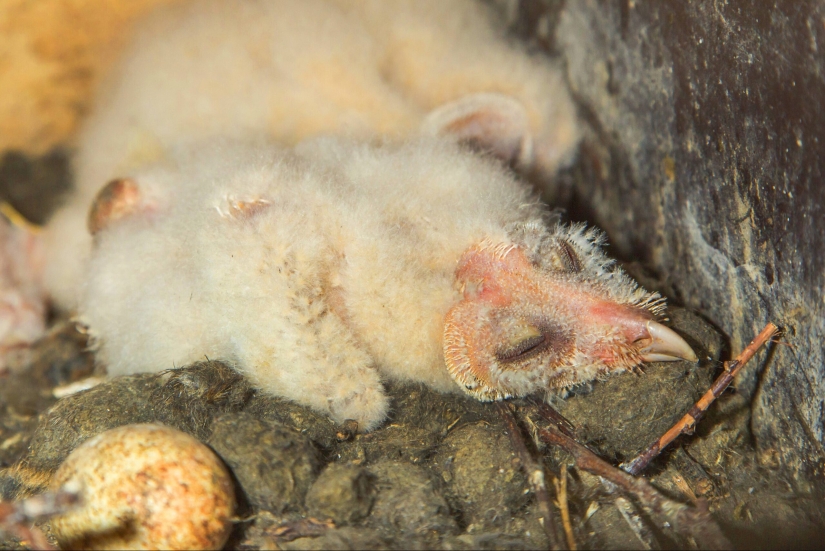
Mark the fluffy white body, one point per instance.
(319, 270)
(318, 266)
(340, 273)
(293, 69)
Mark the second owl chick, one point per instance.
(293, 69)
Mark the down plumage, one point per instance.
(318, 265)
(318, 271)
(293, 69)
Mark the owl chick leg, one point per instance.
(307, 353)
(318, 364)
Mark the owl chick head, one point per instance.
(549, 310)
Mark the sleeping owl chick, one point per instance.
(320, 270)
(317, 266)
(294, 69)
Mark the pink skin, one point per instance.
(501, 280)
(521, 328)
(23, 301)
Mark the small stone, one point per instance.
(485, 479)
(343, 493)
(407, 443)
(345, 538)
(274, 465)
(409, 501)
(145, 487)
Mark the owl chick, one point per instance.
(292, 69)
(319, 270)
(236, 227)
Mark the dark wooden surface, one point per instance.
(707, 123)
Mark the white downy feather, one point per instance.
(345, 269)
(318, 265)
(293, 69)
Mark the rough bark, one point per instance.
(704, 162)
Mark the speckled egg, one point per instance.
(145, 487)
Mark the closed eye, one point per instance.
(569, 257)
(561, 256)
(524, 349)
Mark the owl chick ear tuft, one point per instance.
(490, 122)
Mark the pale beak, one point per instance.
(665, 345)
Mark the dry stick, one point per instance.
(633, 518)
(553, 416)
(534, 472)
(561, 492)
(626, 509)
(686, 423)
(695, 522)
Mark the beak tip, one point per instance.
(666, 345)
(655, 357)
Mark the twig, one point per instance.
(689, 420)
(634, 521)
(561, 493)
(534, 472)
(693, 522)
(551, 415)
(684, 487)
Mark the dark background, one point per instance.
(702, 161)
